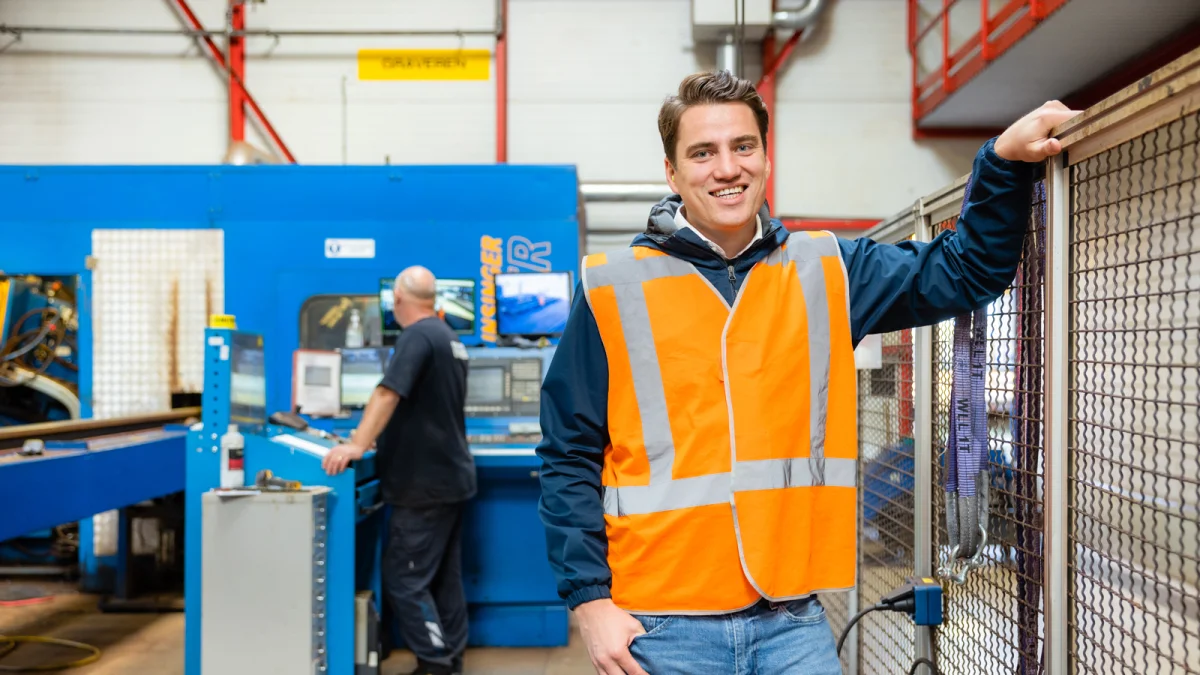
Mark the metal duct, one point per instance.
(799, 18)
(624, 192)
(727, 56)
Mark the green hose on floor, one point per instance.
(8, 644)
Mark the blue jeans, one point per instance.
(768, 638)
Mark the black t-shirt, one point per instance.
(423, 458)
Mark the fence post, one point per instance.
(923, 520)
(853, 639)
(1057, 424)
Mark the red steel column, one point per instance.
(766, 89)
(502, 86)
(215, 54)
(237, 71)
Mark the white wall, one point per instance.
(586, 78)
(844, 146)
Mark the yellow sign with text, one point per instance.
(424, 64)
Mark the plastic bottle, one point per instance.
(233, 462)
(354, 332)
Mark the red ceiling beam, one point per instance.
(218, 58)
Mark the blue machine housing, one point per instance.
(291, 233)
(509, 605)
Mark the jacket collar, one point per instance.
(663, 234)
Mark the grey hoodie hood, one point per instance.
(662, 216)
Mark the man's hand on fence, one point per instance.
(1028, 139)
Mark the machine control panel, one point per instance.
(504, 395)
(504, 387)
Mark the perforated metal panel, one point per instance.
(1135, 406)
(153, 293)
(993, 623)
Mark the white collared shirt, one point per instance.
(682, 222)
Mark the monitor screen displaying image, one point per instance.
(387, 318)
(248, 381)
(454, 301)
(362, 370)
(533, 304)
(485, 384)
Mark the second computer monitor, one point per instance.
(454, 302)
(362, 370)
(533, 304)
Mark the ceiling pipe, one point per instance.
(624, 192)
(799, 18)
(727, 55)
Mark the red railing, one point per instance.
(1001, 24)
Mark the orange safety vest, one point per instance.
(731, 469)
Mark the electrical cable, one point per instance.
(9, 643)
(903, 604)
(854, 620)
(52, 333)
(11, 352)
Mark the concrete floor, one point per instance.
(152, 644)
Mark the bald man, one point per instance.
(426, 472)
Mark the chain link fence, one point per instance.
(1119, 412)
(887, 535)
(993, 621)
(1135, 405)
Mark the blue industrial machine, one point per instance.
(306, 259)
(511, 596)
(38, 366)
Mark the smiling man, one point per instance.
(699, 416)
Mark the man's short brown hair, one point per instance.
(708, 88)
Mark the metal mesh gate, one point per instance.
(993, 621)
(886, 532)
(1135, 405)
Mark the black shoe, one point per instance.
(456, 666)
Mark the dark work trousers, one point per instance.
(423, 579)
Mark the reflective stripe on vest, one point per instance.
(625, 271)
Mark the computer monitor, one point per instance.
(504, 386)
(316, 382)
(485, 384)
(533, 304)
(387, 302)
(248, 381)
(362, 370)
(454, 301)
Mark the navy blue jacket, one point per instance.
(892, 287)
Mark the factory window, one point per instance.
(338, 321)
